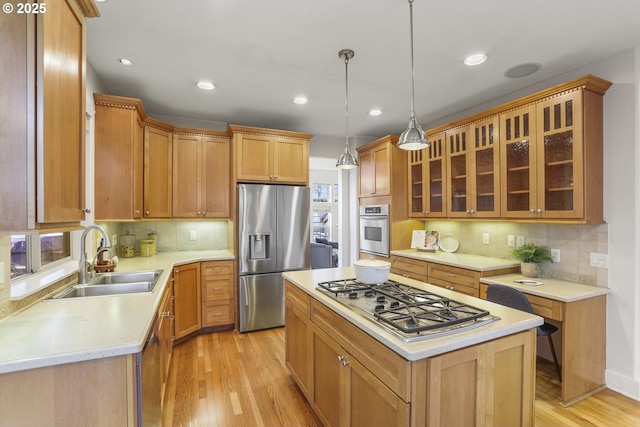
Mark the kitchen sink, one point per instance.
(125, 277)
(119, 283)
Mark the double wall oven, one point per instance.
(374, 229)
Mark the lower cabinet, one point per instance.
(98, 392)
(186, 303)
(218, 299)
(165, 333)
(351, 379)
(347, 394)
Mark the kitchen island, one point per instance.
(354, 372)
(74, 359)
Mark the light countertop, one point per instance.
(471, 262)
(511, 321)
(555, 289)
(76, 329)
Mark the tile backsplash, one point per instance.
(575, 242)
(175, 236)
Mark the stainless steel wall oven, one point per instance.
(374, 229)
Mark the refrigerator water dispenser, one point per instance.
(259, 246)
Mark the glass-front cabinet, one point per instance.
(485, 167)
(473, 169)
(543, 159)
(427, 184)
(457, 171)
(518, 154)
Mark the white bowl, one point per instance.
(372, 271)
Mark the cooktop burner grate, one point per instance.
(410, 313)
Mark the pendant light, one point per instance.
(413, 138)
(346, 160)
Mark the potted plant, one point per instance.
(531, 256)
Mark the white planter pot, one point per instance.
(529, 269)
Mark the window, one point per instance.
(321, 193)
(32, 252)
(324, 206)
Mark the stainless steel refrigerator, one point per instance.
(273, 236)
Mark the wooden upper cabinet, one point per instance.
(484, 167)
(554, 171)
(60, 97)
(157, 170)
(42, 171)
(536, 158)
(375, 167)
(458, 147)
(119, 128)
(518, 162)
(427, 179)
(201, 174)
(270, 156)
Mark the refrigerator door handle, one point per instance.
(246, 295)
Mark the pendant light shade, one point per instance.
(413, 138)
(346, 160)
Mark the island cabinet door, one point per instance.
(491, 384)
(298, 347)
(348, 394)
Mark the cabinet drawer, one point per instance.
(455, 275)
(409, 274)
(217, 313)
(545, 307)
(409, 265)
(298, 298)
(463, 289)
(391, 369)
(216, 288)
(214, 268)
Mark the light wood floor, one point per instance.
(232, 379)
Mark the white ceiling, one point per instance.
(261, 53)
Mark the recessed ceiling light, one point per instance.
(476, 59)
(522, 70)
(375, 112)
(301, 99)
(125, 61)
(206, 85)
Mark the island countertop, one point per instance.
(76, 329)
(511, 321)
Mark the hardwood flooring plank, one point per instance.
(229, 379)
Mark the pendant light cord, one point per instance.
(413, 90)
(346, 99)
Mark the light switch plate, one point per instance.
(555, 255)
(599, 260)
(520, 241)
(511, 240)
(192, 235)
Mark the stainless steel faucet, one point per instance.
(82, 264)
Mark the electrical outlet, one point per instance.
(555, 255)
(2, 275)
(485, 238)
(114, 240)
(598, 260)
(520, 241)
(192, 235)
(511, 240)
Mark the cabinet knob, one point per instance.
(204, 213)
(532, 210)
(539, 211)
(146, 212)
(199, 213)
(87, 210)
(344, 362)
(137, 212)
(166, 314)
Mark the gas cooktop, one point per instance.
(409, 313)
